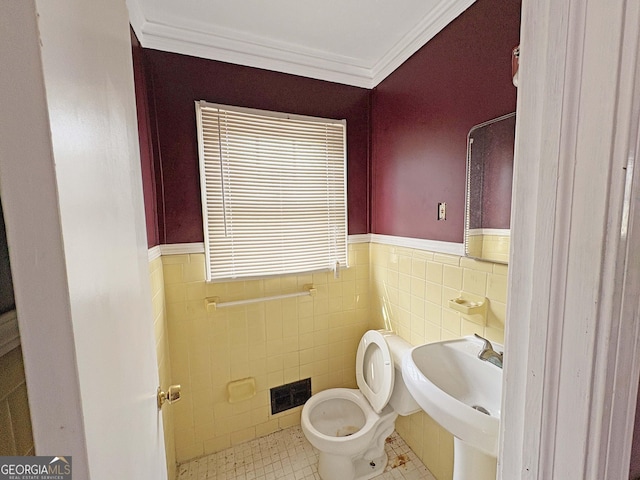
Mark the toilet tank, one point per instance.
(401, 400)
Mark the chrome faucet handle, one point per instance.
(487, 343)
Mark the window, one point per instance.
(273, 192)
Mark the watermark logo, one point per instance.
(35, 468)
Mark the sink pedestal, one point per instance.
(463, 394)
(471, 463)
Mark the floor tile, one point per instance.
(287, 455)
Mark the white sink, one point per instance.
(463, 394)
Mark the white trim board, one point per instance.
(359, 238)
(154, 252)
(182, 248)
(435, 246)
(417, 243)
(500, 232)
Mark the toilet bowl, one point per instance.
(349, 426)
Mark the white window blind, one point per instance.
(273, 192)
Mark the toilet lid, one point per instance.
(374, 369)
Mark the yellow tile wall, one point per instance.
(489, 247)
(275, 342)
(496, 247)
(164, 365)
(15, 419)
(282, 341)
(409, 291)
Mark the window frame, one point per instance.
(341, 245)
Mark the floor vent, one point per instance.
(290, 395)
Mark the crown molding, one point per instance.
(244, 50)
(247, 50)
(136, 16)
(429, 27)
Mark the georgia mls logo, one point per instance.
(35, 468)
(60, 465)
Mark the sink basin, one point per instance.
(460, 392)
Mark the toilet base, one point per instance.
(338, 467)
(365, 469)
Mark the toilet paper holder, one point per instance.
(172, 395)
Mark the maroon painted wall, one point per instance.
(422, 113)
(146, 144)
(176, 81)
(634, 471)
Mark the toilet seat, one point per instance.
(375, 372)
(362, 422)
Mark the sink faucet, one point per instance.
(488, 354)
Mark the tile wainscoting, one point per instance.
(281, 341)
(275, 342)
(410, 290)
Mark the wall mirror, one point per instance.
(487, 232)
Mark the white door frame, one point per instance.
(573, 333)
(72, 196)
(34, 236)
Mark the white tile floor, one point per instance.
(288, 455)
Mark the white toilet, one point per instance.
(349, 427)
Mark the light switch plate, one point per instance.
(442, 211)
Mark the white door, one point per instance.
(72, 192)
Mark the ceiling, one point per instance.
(354, 42)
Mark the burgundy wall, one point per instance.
(421, 115)
(176, 81)
(634, 472)
(146, 144)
